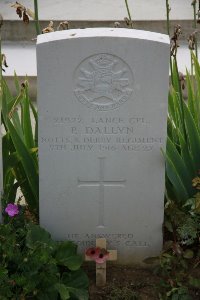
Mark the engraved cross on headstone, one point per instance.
(101, 183)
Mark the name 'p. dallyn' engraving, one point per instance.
(103, 82)
(102, 133)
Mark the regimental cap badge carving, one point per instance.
(103, 82)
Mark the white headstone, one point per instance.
(102, 98)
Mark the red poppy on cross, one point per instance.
(100, 255)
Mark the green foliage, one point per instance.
(176, 265)
(181, 254)
(19, 147)
(188, 230)
(182, 223)
(179, 293)
(33, 266)
(183, 143)
(176, 281)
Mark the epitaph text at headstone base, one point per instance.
(102, 97)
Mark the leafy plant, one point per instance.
(174, 267)
(183, 143)
(179, 293)
(19, 146)
(181, 255)
(33, 266)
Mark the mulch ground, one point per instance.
(128, 283)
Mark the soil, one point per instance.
(129, 283)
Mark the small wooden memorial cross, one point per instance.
(101, 267)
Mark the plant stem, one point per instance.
(180, 98)
(1, 99)
(168, 32)
(168, 10)
(0, 70)
(195, 26)
(129, 14)
(37, 24)
(192, 64)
